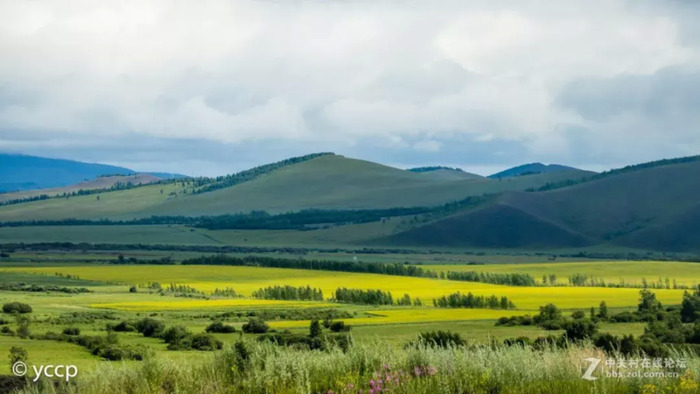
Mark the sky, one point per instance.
(213, 87)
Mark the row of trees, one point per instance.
(510, 279)
(289, 293)
(459, 300)
(325, 265)
(591, 281)
(358, 296)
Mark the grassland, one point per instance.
(631, 272)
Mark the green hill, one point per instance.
(445, 173)
(646, 207)
(529, 169)
(324, 181)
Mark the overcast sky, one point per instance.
(212, 87)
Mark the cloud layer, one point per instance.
(214, 86)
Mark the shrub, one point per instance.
(7, 330)
(625, 317)
(220, 328)
(315, 329)
(71, 331)
(205, 342)
(580, 329)
(124, 326)
(255, 326)
(17, 354)
(578, 315)
(339, 326)
(150, 327)
(520, 341)
(133, 289)
(177, 337)
(16, 307)
(441, 339)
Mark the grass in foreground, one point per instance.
(265, 368)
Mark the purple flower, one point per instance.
(351, 386)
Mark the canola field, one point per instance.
(245, 280)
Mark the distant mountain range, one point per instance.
(22, 172)
(651, 206)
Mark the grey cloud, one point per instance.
(226, 85)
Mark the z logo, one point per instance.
(589, 372)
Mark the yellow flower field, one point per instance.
(175, 304)
(245, 280)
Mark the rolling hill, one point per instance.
(529, 169)
(23, 172)
(445, 173)
(103, 182)
(324, 181)
(645, 207)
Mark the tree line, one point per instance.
(287, 292)
(323, 265)
(510, 279)
(366, 297)
(469, 300)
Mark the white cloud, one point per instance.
(242, 71)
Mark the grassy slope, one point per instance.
(332, 182)
(99, 183)
(450, 175)
(116, 204)
(657, 199)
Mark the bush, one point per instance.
(441, 339)
(519, 341)
(578, 315)
(133, 289)
(124, 326)
(339, 326)
(17, 354)
(255, 326)
(150, 327)
(16, 307)
(524, 320)
(112, 353)
(71, 331)
(7, 330)
(220, 328)
(177, 338)
(625, 317)
(3, 322)
(295, 340)
(580, 329)
(205, 342)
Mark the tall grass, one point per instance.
(250, 367)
